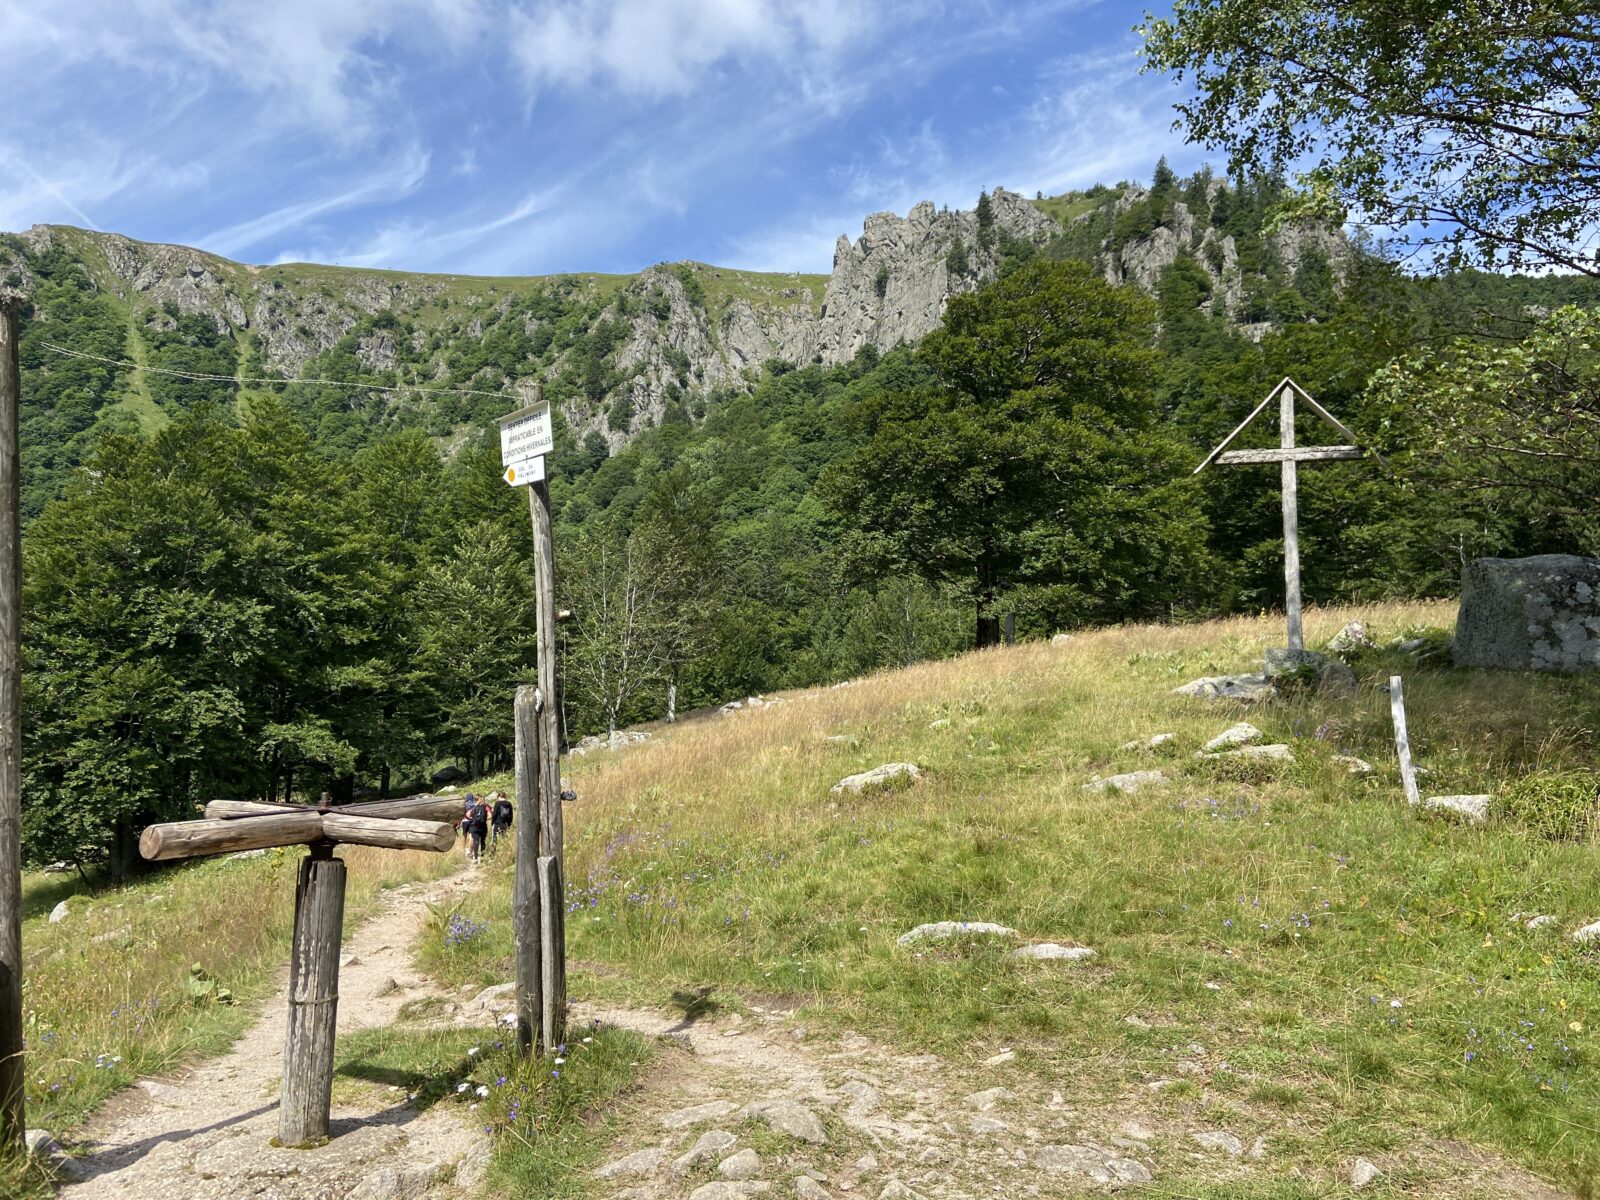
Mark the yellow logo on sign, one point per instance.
(511, 475)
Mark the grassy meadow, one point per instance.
(1347, 975)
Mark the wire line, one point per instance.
(203, 378)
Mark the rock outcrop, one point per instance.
(1540, 613)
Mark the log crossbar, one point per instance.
(223, 834)
(1292, 454)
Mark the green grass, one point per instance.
(1069, 206)
(545, 1117)
(1361, 969)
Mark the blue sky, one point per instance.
(533, 136)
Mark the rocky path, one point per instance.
(206, 1134)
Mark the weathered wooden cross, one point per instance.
(1289, 456)
(415, 823)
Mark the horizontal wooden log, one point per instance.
(394, 833)
(418, 808)
(191, 839)
(1293, 454)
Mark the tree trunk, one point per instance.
(383, 783)
(988, 626)
(288, 785)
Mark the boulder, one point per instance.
(58, 914)
(1472, 809)
(1540, 613)
(444, 775)
(883, 776)
(1226, 687)
(942, 930)
(1129, 783)
(1352, 637)
(1234, 735)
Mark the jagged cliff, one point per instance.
(618, 352)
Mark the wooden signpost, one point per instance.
(11, 1065)
(538, 896)
(1288, 456)
(416, 823)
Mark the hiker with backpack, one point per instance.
(501, 819)
(475, 824)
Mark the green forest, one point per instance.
(274, 590)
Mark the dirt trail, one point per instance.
(206, 1133)
(752, 1106)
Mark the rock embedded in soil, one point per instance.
(1090, 1162)
(1128, 783)
(790, 1117)
(1154, 742)
(682, 1118)
(943, 930)
(1227, 687)
(1277, 752)
(58, 914)
(729, 1189)
(1588, 933)
(1218, 1139)
(709, 1144)
(985, 1100)
(1362, 1173)
(1542, 921)
(1472, 809)
(881, 776)
(39, 1143)
(806, 1188)
(640, 1162)
(1234, 735)
(1053, 950)
(746, 1164)
(1353, 765)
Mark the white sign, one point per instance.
(525, 433)
(525, 471)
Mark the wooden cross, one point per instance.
(416, 823)
(1289, 456)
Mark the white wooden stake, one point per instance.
(1291, 518)
(1402, 742)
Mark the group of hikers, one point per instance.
(485, 819)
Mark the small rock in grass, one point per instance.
(940, 930)
(1138, 1132)
(744, 1165)
(985, 1100)
(492, 995)
(640, 1162)
(1128, 783)
(1155, 742)
(787, 1116)
(1061, 639)
(1219, 1139)
(986, 1125)
(710, 1144)
(58, 914)
(1241, 734)
(807, 1188)
(1542, 921)
(682, 1118)
(895, 1190)
(1472, 809)
(1362, 1173)
(1053, 950)
(1352, 637)
(39, 1143)
(939, 724)
(1091, 1163)
(1000, 1060)
(235, 857)
(1258, 1148)
(1353, 765)
(1588, 933)
(729, 1189)
(882, 776)
(1278, 752)
(1227, 687)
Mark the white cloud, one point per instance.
(400, 181)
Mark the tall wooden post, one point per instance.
(553, 961)
(11, 1064)
(525, 905)
(1291, 519)
(307, 1091)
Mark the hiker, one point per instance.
(475, 824)
(501, 819)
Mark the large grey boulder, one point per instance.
(1540, 613)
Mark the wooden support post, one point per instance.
(1011, 628)
(525, 906)
(1402, 741)
(553, 953)
(307, 1091)
(544, 580)
(1291, 518)
(11, 1064)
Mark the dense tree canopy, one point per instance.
(1470, 127)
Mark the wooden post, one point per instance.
(525, 906)
(1291, 518)
(1402, 741)
(307, 1090)
(553, 947)
(11, 1063)
(544, 581)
